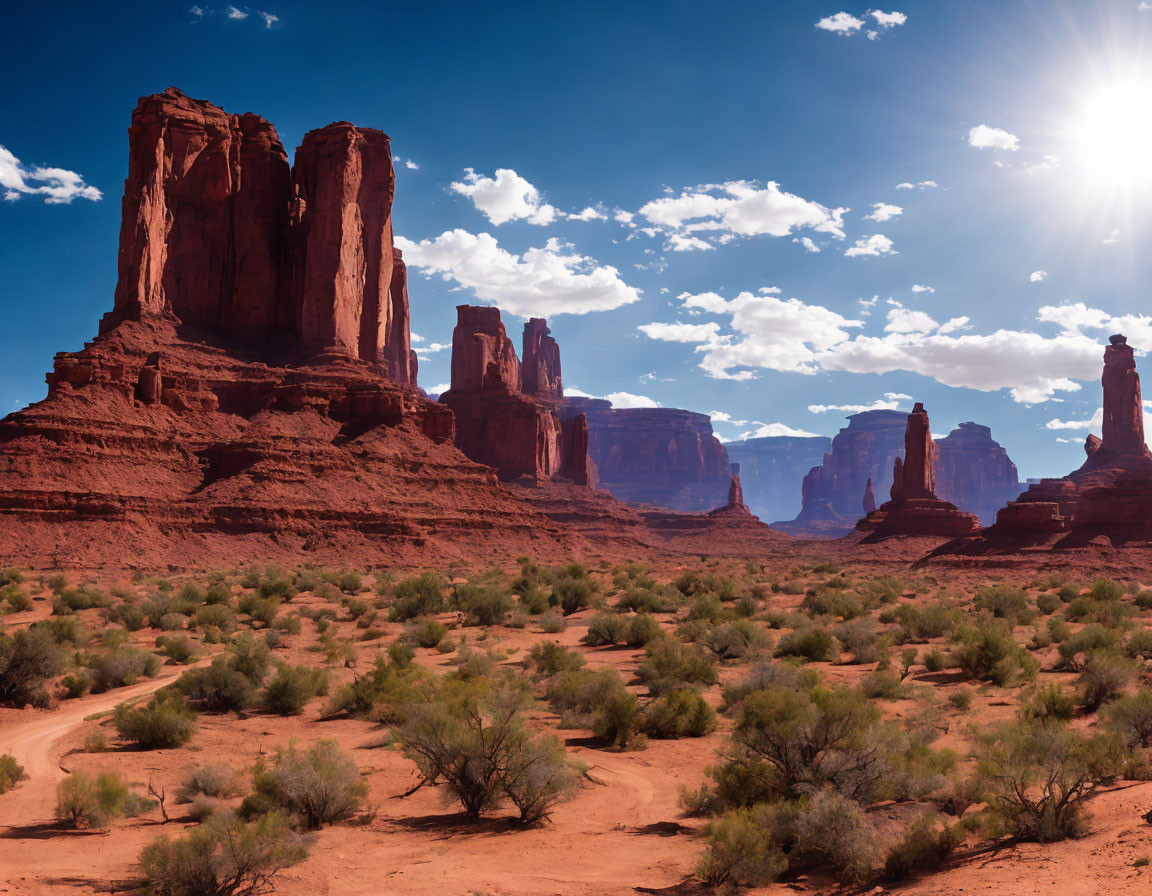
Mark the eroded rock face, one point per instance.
(915, 509)
(497, 423)
(203, 219)
(1112, 492)
(772, 471)
(540, 370)
(974, 472)
(665, 457)
(399, 359)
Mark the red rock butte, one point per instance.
(252, 394)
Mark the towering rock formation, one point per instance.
(1111, 494)
(665, 457)
(540, 371)
(971, 470)
(974, 472)
(497, 422)
(772, 470)
(914, 508)
(203, 220)
(869, 498)
(399, 360)
(735, 505)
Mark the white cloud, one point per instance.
(711, 214)
(588, 214)
(506, 197)
(888, 19)
(984, 137)
(269, 19)
(57, 185)
(198, 12)
(725, 417)
(890, 402)
(618, 399)
(776, 430)
(439, 388)
(841, 23)
(1037, 276)
(410, 165)
(916, 287)
(1096, 422)
(882, 211)
(768, 333)
(809, 244)
(1113, 237)
(541, 282)
(1046, 164)
(623, 217)
(680, 332)
(922, 185)
(871, 246)
(237, 14)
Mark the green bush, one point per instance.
(736, 640)
(988, 651)
(1040, 775)
(1003, 602)
(321, 786)
(552, 623)
(483, 605)
(222, 857)
(1103, 678)
(551, 658)
(1130, 717)
(746, 847)
(219, 687)
(572, 594)
(219, 615)
(1051, 702)
(28, 660)
(422, 595)
(165, 721)
(384, 694)
(671, 665)
(178, 648)
(813, 644)
(292, 687)
(1076, 649)
(11, 771)
(924, 846)
(217, 781)
(832, 830)
(86, 802)
(679, 713)
(423, 632)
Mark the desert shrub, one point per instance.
(552, 623)
(259, 609)
(291, 687)
(813, 644)
(384, 693)
(1106, 589)
(832, 830)
(861, 639)
(178, 648)
(796, 741)
(120, 666)
(645, 600)
(165, 721)
(617, 720)
(28, 660)
(219, 615)
(575, 695)
(988, 651)
(924, 846)
(16, 598)
(95, 742)
(831, 602)
(84, 801)
(746, 847)
(736, 640)
(76, 684)
(933, 660)
(605, 629)
(473, 739)
(882, 684)
(128, 615)
(920, 623)
(423, 632)
(291, 625)
(349, 581)
(1139, 645)
(1003, 602)
(1040, 775)
(1130, 717)
(401, 655)
(83, 597)
(217, 780)
(225, 856)
(218, 593)
(276, 586)
(422, 595)
(1050, 702)
(551, 658)
(679, 713)
(219, 687)
(1047, 603)
(321, 786)
(572, 594)
(11, 771)
(671, 665)
(532, 600)
(1143, 600)
(1103, 678)
(1076, 649)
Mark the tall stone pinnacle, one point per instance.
(1123, 410)
(915, 477)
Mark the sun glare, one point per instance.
(1109, 135)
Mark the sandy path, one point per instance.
(37, 746)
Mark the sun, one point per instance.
(1108, 136)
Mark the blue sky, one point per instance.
(653, 177)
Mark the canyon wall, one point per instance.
(772, 470)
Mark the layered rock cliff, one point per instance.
(974, 472)
(665, 457)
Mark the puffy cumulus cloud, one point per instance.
(765, 332)
(882, 211)
(590, 213)
(540, 282)
(505, 197)
(618, 399)
(888, 19)
(725, 417)
(840, 23)
(58, 186)
(890, 402)
(1037, 276)
(439, 389)
(870, 247)
(1096, 422)
(984, 137)
(916, 287)
(809, 244)
(712, 214)
(775, 430)
(237, 15)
